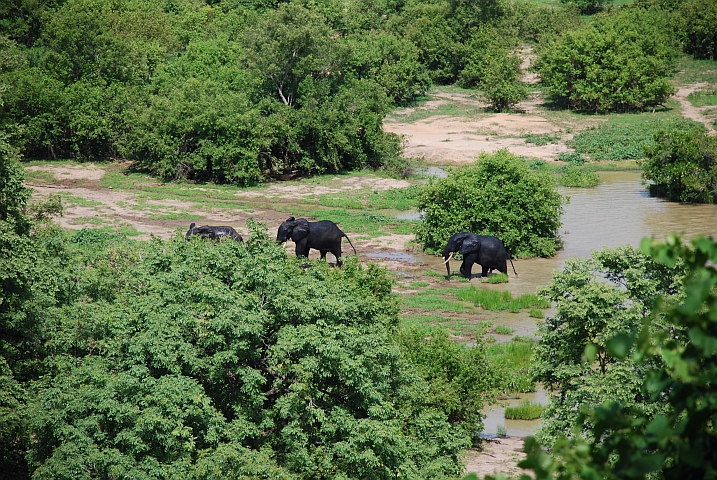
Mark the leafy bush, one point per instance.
(536, 23)
(577, 176)
(586, 7)
(497, 195)
(700, 18)
(460, 377)
(683, 166)
(617, 63)
(491, 65)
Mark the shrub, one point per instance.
(618, 63)
(491, 66)
(682, 166)
(497, 195)
(700, 17)
(577, 176)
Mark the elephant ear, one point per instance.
(300, 231)
(470, 244)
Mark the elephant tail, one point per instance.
(352, 245)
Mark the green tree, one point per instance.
(681, 372)
(492, 66)
(194, 360)
(572, 355)
(619, 62)
(700, 18)
(682, 166)
(497, 195)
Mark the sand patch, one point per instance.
(499, 455)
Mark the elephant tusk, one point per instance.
(449, 257)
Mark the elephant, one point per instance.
(485, 250)
(213, 232)
(323, 236)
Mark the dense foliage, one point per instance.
(498, 195)
(193, 359)
(680, 373)
(197, 360)
(700, 18)
(589, 311)
(618, 62)
(682, 165)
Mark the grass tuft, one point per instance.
(525, 411)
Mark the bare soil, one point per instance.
(439, 139)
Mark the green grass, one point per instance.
(69, 200)
(525, 411)
(435, 299)
(435, 274)
(460, 327)
(512, 360)
(501, 431)
(40, 177)
(173, 216)
(690, 70)
(540, 139)
(503, 330)
(418, 284)
(536, 313)
(703, 98)
(499, 277)
(501, 300)
(623, 136)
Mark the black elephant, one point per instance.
(323, 236)
(484, 250)
(213, 232)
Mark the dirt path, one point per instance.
(499, 455)
(692, 112)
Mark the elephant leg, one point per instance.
(302, 249)
(467, 265)
(485, 271)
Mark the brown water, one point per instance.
(495, 415)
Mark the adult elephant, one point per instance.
(213, 232)
(323, 236)
(484, 250)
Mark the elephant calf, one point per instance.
(323, 236)
(213, 232)
(484, 250)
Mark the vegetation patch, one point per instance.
(625, 137)
(578, 176)
(540, 139)
(501, 300)
(498, 195)
(703, 98)
(527, 410)
(512, 361)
